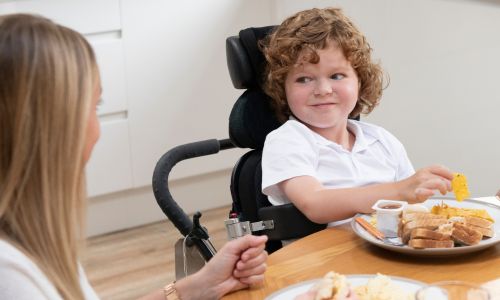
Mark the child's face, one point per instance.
(322, 95)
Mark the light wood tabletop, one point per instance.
(339, 249)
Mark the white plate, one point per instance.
(493, 210)
(292, 291)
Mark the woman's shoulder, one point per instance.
(14, 260)
(9, 252)
(16, 270)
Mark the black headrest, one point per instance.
(245, 61)
(252, 117)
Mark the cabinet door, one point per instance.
(88, 16)
(109, 167)
(109, 54)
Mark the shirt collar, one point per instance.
(361, 143)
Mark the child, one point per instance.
(49, 90)
(320, 73)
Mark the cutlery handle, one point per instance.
(370, 228)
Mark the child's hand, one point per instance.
(425, 182)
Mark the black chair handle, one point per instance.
(162, 171)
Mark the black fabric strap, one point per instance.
(289, 223)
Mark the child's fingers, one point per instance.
(422, 194)
(441, 171)
(437, 183)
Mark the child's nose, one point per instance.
(323, 87)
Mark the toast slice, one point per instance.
(420, 223)
(486, 232)
(412, 216)
(445, 228)
(464, 235)
(479, 222)
(422, 233)
(426, 243)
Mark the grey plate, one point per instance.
(492, 209)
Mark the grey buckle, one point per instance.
(262, 225)
(236, 229)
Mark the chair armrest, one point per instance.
(289, 222)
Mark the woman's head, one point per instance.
(301, 36)
(49, 85)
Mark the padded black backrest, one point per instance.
(252, 117)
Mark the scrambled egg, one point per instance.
(381, 287)
(459, 186)
(450, 212)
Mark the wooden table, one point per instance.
(339, 249)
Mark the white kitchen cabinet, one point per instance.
(109, 168)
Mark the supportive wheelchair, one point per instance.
(251, 119)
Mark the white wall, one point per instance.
(443, 60)
(165, 83)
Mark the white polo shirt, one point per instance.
(294, 150)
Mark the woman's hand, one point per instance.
(238, 264)
(423, 184)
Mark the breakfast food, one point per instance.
(422, 233)
(425, 221)
(445, 227)
(334, 286)
(485, 227)
(464, 235)
(449, 212)
(459, 186)
(381, 287)
(430, 243)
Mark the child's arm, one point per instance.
(322, 205)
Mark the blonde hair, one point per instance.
(48, 76)
(311, 30)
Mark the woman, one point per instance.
(49, 91)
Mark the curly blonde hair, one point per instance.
(305, 33)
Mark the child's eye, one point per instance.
(303, 80)
(337, 76)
